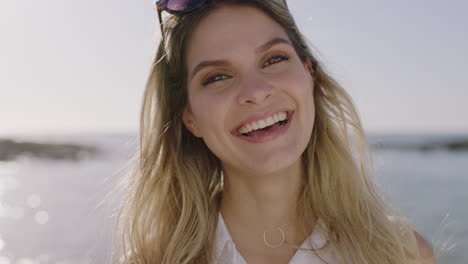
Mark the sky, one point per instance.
(81, 66)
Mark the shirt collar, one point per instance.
(222, 234)
(224, 246)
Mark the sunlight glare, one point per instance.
(41, 217)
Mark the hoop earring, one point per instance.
(221, 181)
(274, 246)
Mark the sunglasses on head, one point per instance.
(177, 7)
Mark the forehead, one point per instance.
(229, 30)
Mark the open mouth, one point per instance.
(265, 130)
(266, 126)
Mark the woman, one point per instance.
(245, 151)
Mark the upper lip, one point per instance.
(256, 117)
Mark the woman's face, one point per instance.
(244, 75)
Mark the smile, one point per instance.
(263, 124)
(265, 129)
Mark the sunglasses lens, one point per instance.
(183, 5)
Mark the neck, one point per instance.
(260, 202)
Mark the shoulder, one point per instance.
(416, 239)
(425, 249)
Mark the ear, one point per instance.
(190, 122)
(308, 64)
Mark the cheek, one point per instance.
(304, 92)
(303, 87)
(209, 112)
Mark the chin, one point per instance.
(272, 164)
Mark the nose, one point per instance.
(254, 90)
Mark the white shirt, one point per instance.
(226, 251)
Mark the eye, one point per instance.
(214, 78)
(275, 59)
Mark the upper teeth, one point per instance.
(259, 124)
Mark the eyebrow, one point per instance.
(262, 48)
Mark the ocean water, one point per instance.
(431, 189)
(60, 211)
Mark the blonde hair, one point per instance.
(170, 211)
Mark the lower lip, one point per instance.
(268, 136)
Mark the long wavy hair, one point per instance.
(170, 211)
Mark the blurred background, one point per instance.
(72, 75)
